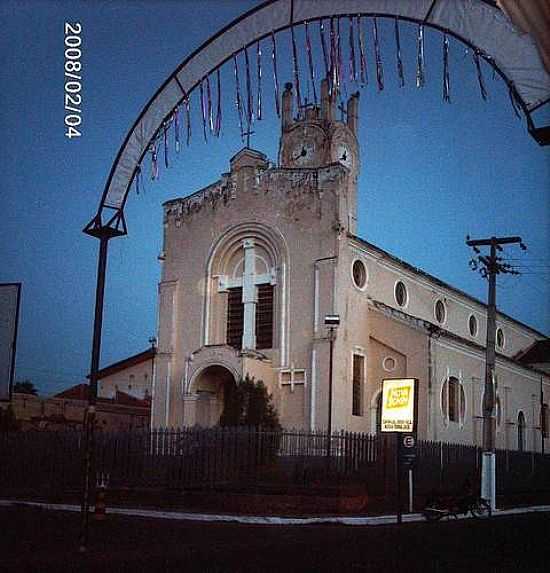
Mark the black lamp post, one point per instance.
(332, 321)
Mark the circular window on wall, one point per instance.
(400, 293)
(440, 311)
(500, 338)
(359, 274)
(472, 325)
(389, 364)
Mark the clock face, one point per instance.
(344, 155)
(302, 153)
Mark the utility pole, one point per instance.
(489, 267)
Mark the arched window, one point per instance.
(521, 432)
(453, 401)
(241, 293)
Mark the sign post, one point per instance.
(399, 416)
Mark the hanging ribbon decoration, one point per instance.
(446, 80)
(420, 78)
(310, 63)
(338, 55)
(480, 76)
(400, 73)
(352, 66)
(333, 61)
(177, 129)
(295, 69)
(513, 101)
(187, 117)
(362, 54)
(165, 128)
(154, 162)
(210, 106)
(259, 79)
(275, 77)
(238, 100)
(379, 68)
(138, 176)
(324, 47)
(218, 124)
(249, 100)
(203, 108)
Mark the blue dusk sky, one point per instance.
(431, 172)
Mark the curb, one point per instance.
(258, 520)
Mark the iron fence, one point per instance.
(51, 462)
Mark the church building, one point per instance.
(253, 263)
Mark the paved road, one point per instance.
(43, 541)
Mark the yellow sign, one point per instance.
(398, 405)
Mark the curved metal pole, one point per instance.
(104, 234)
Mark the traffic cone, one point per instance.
(100, 512)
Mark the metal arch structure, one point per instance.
(479, 24)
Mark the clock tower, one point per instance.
(314, 138)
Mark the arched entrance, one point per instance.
(212, 386)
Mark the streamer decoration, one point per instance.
(177, 129)
(339, 55)
(310, 63)
(324, 47)
(202, 96)
(352, 66)
(154, 162)
(218, 124)
(333, 61)
(362, 54)
(378, 58)
(295, 69)
(210, 107)
(480, 76)
(138, 177)
(259, 79)
(513, 101)
(420, 76)
(165, 134)
(400, 73)
(238, 99)
(275, 76)
(446, 80)
(187, 118)
(249, 99)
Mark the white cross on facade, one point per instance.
(249, 281)
(292, 376)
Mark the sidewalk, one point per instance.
(258, 519)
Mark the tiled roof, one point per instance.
(126, 363)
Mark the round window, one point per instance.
(389, 364)
(472, 325)
(359, 273)
(401, 294)
(440, 311)
(500, 338)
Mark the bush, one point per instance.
(248, 403)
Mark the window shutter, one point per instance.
(235, 317)
(264, 317)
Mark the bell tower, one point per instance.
(313, 137)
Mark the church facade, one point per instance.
(253, 263)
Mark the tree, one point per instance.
(25, 387)
(248, 403)
(8, 421)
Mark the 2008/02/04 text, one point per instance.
(73, 79)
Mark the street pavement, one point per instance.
(37, 539)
